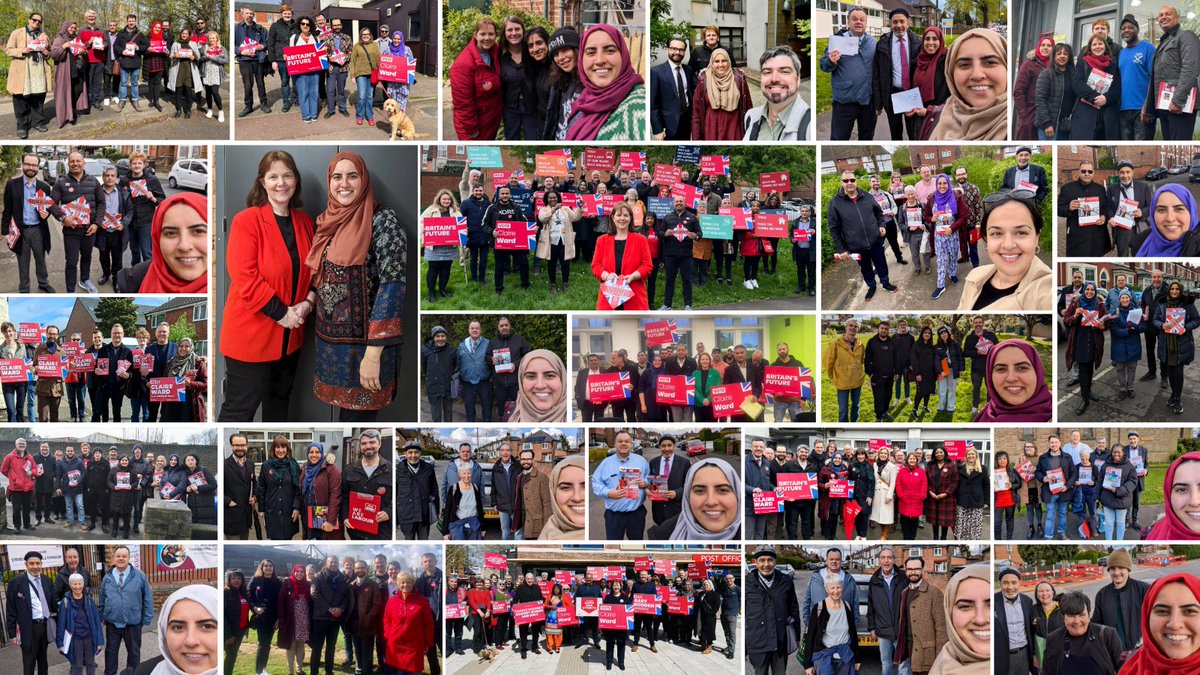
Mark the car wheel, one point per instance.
(172, 182)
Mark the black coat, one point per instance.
(924, 363)
(329, 590)
(263, 593)
(883, 604)
(122, 501)
(1000, 621)
(202, 502)
(379, 484)
(438, 365)
(1091, 123)
(972, 488)
(1037, 176)
(1070, 473)
(1142, 193)
(143, 208)
(238, 484)
(882, 80)
(1102, 646)
(853, 223)
(416, 494)
(278, 494)
(663, 511)
(880, 359)
(14, 205)
(19, 609)
(1090, 240)
(770, 613)
(1108, 606)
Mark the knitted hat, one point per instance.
(1010, 570)
(563, 38)
(1120, 558)
(1129, 18)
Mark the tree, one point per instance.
(663, 28)
(1047, 555)
(111, 311)
(182, 328)
(1031, 320)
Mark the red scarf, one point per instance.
(299, 588)
(1098, 62)
(159, 278)
(927, 64)
(1149, 660)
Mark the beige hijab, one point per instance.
(560, 526)
(722, 91)
(960, 121)
(956, 658)
(525, 412)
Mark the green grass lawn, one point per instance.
(901, 411)
(277, 662)
(1153, 494)
(583, 288)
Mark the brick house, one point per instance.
(193, 308)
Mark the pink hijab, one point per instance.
(595, 104)
(1170, 528)
(1038, 408)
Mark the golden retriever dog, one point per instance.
(402, 125)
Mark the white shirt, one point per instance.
(35, 604)
(899, 45)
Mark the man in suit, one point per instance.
(1152, 296)
(1027, 173)
(1128, 188)
(672, 85)
(30, 221)
(676, 470)
(681, 364)
(588, 411)
(30, 606)
(895, 61)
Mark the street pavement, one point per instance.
(1147, 515)
(1149, 403)
(106, 123)
(11, 653)
(1060, 232)
(56, 261)
(275, 125)
(883, 133)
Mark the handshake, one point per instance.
(296, 314)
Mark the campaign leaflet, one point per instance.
(628, 482)
(656, 488)
(1089, 210)
(317, 519)
(1056, 481)
(1123, 218)
(502, 360)
(1112, 478)
(1085, 475)
(1000, 481)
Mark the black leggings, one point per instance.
(1085, 379)
(724, 262)
(921, 402)
(558, 262)
(908, 527)
(1174, 377)
(1005, 516)
(154, 82)
(940, 532)
(212, 97)
(750, 267)
(438, 276)
(183, 99)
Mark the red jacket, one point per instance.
(911, 490)
(749, 245)
(636, 259)
(260, 268)
(85, 36)
(18, 473)
(408, 630)
(475, 95)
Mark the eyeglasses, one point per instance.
(1086, 171)
(849, 180)
(35, 21)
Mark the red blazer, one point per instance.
(260, 269)
(637, 258)
(407, 632)
(475, 92)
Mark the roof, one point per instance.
(178, 303)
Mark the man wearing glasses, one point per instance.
(856, 226)
(1090, 239)
(29, 74)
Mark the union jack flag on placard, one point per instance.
(564, 152)
(41, 201)
(112, 221)
(138, 188)
(1174, 320)
(690, 383)
(806, 390)
(30, 371)
(626, 384)
(323, 52)
(79, 210)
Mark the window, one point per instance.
(733, 38)
(852, 161)
(914, 553)
(201, 347)
(414, 27)
(200, 312)
(937, 551)
(730, 6)
(941, 567)
(946, 153)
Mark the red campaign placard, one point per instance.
(83, 363)
(663, 566)
(501, 177)
(528, 612)
(363, 508)
(302, 59)
(776, 181)
(587, 606)
(444, 231)
(659, 333)
(545, 587)
(771, 225)
(645, 603)
(599, 159)
(642, 564)
(515, 235)
(563, 577)
(75, 348)
(727, 398)
(14, 371)
(566, 616)
(877, 444)
(167, 390)
(50, 366)
(801, 234)
(456, 610)
(633, 161)
(499, 607)
(957, 450)
(596, 573)
(31, 333)
(672, 390)
(714, 165)
(614, 573)
(797, 486)
(667, 174)
(697, 569)
(741, 216)
(496, 561)
(615, 617)
(691, 194)
(592, 205)
(841, 489)
(767, 502)
(551, 165)
(400, 69)
(678, 604)
(782, 381)
(607, 387)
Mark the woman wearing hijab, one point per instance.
(1025, 88)
(542, 388)
(187, 634)
(1055, 96)
(154, 65)
(1176, 346)
(440, 259)
(623, 257)
(950, 366)
(924, 366)
(194, 372)
(122, 484)
(1085, 343)
(1097, 114)
(829, 508)
(721, 101)
(712, 509)
(1168, 608)
(1173, 220)
(397, 91)
(612, 106)
(174, 479)
(556, 238)
(1182, 487)
(647, 391)
(977, 109)
(968, 608)
(236, 617)
(321, 493)
(1016, 385)
(1016, 279)
(475, 96)
(407, 627)
(278, 491)
(568, 486)
(940, 504)
(359, 243)
(179, 239)
(1126, 343)
(929, 76)
(947, 213)
(363, 60)
(70, 84)
(295, 617)
(184, 77)
(200, 492)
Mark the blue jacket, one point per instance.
(131, 606)
(755, 477)
(451, 477)
(66, 621)
(254, 32)
(731, 600)
(477, 367)
(162, 356)
(1126, 340)
(61, 480)
(852, 75)
(1187, 346)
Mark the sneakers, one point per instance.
(664, 308)
(208, 114)
(687, 308)
(754, 282)
(890, 288)
(221, 116)
(954, 279)
(88, 287)
(104, 103)
(747, 284)
(937, 292)
(870, 293)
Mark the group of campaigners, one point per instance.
(167, 237)
(525, 384)
(707, 98)
(915, 487)
(106, 392)
(920, 628)
(627, 244)
(735, 365)
(285, 272)
(1165, 314)
(532, 502)
(96, 66)
(313, 499)
(1110, 92)
(716, 597)
(955, 93)
(942, 220)
(1010, 372)
(1129, 627)
(261, 54)
(390, 618)
(560, 87)
(1127, 217)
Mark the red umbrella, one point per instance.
(850, 511)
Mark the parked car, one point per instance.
(490, 513)
(1194, 174)
(1178, 169)
(1157, 173)
(695, 447)
(188, 173)
(123, 170)
(96, 167)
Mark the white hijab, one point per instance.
(207, 597)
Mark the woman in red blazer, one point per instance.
(407, 627)
(269, 294)
(635, 263)
(475, 86)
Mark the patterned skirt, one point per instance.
(968, 524)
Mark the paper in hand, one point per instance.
(846, 44)
(909, 99)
